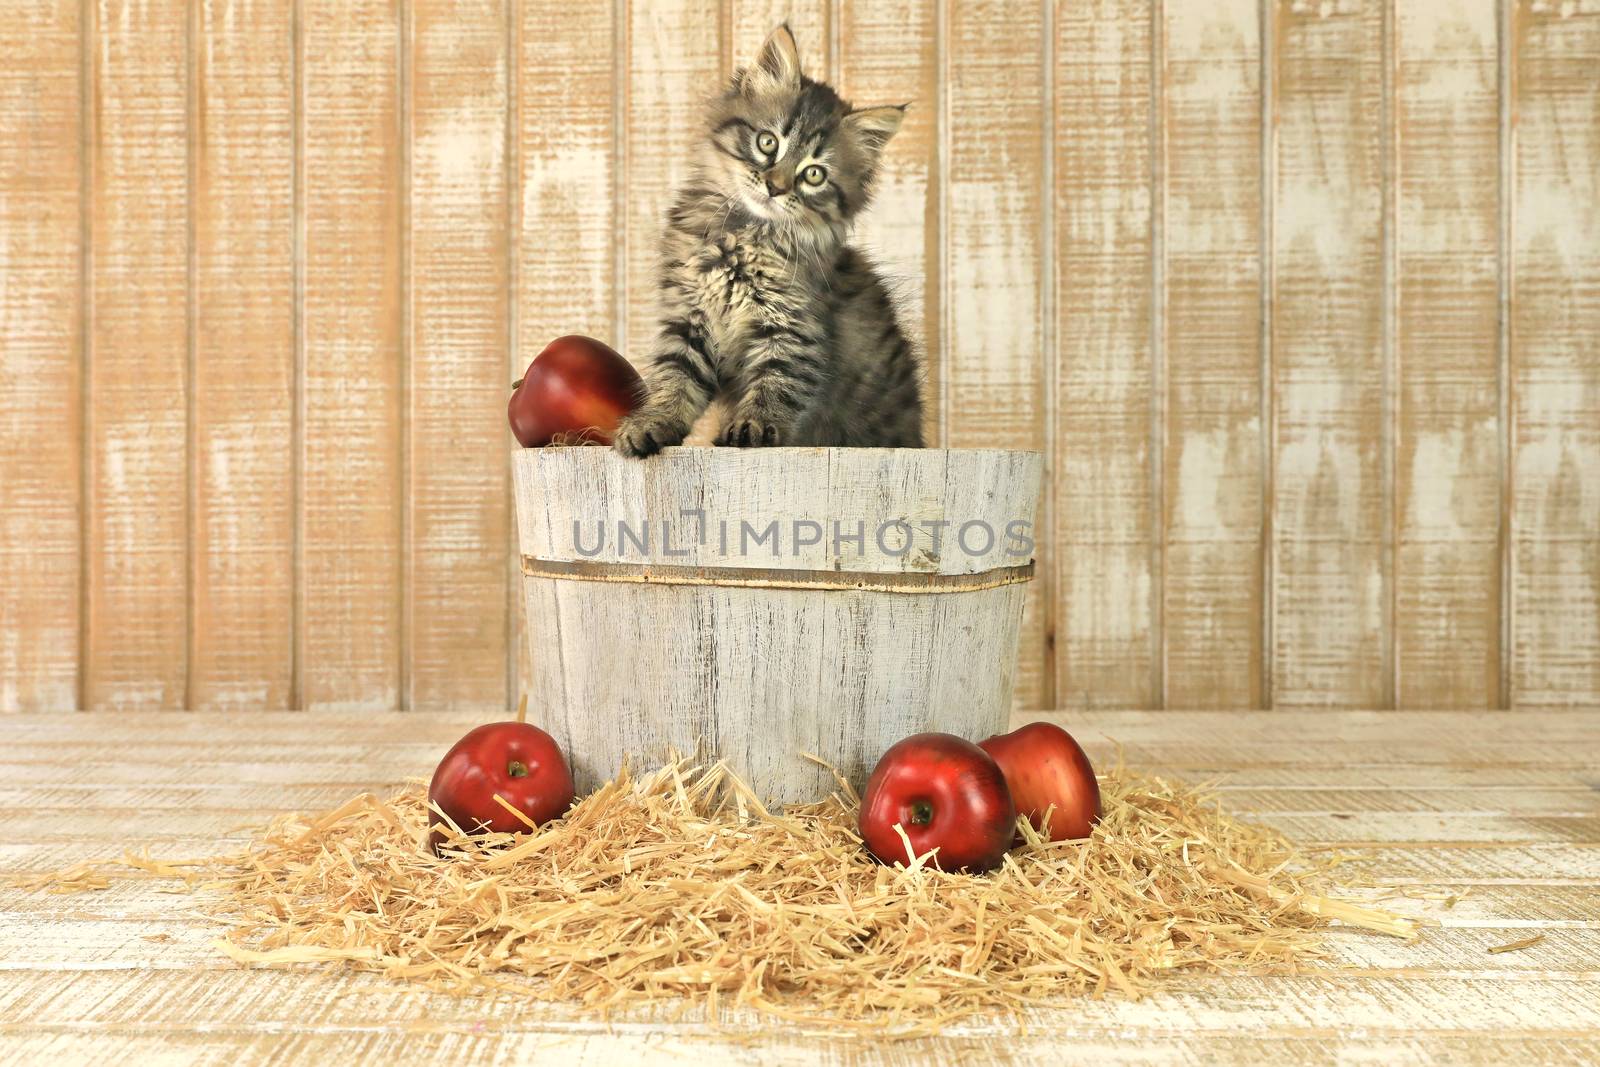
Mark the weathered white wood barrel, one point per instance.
(764, 603)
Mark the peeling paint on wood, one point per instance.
(1330, 571)
(460, 511)
(41, 348)
(1555, 354)
(1105, 632)
(350, 639)
(1297, 298)
(1446, 307)
(242, 631)
(1212, 485)
(138, 382)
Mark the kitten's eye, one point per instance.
(766, 143)
(813, 175)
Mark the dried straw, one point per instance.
(1517, 946)
(679, 885)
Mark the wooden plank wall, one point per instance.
(1300, 298)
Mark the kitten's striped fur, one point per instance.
(764, 306)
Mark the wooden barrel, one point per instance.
(760, 604)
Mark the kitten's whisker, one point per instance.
(728, 204)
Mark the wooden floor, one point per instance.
(1500, 810)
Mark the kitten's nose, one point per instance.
(773, 188)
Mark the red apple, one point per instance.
(1043, 765)
(577, 388)
(513, 760)
(945, 793)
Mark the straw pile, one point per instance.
(679, 886)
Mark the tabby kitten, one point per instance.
(764, 306)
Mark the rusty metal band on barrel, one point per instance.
(774, 578)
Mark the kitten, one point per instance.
(764, 306)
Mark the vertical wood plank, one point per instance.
(674, 62)
(1327, 349)
(41, 105)
(1446, 174)
(351, 521)
(750, 21)
(1211, 250)
(567, 226)
(138, 374)
(994, 247)
(242, 548)
(1105, 639)
(458, 478)
(888, 55)
(566, 148)
(1555, 353)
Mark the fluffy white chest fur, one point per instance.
(736, 283)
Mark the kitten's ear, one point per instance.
(875, 125)
(779, 59)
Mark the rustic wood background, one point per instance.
(1301, 300)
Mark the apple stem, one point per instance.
(517, 769)
(517, 384)
(522, 708)
(921, 813)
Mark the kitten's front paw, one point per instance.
(750, 433)
(644, 434)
